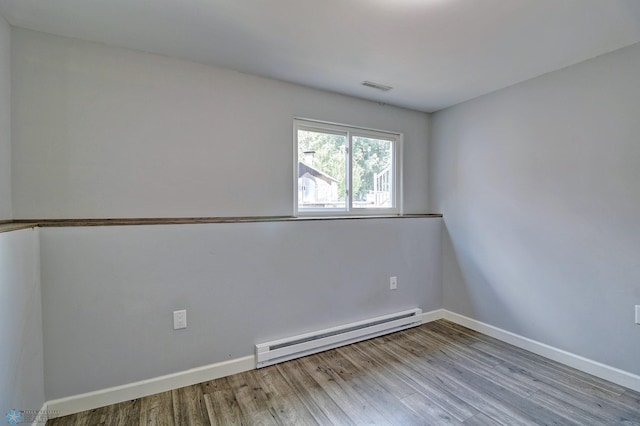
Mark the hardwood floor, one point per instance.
(436, 374)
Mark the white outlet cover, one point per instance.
(637, 314)
(393, 283)
(179, 319)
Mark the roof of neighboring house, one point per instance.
(305, 168)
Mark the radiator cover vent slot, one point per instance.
(305, 344)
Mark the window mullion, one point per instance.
(349, 198)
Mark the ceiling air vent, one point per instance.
(377, 86)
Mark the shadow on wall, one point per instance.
(470, 286)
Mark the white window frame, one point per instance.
(350, 132)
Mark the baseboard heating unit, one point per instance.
(305, 344)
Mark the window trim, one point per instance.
(350, 131)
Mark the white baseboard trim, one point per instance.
(89, 401)
(603, 371)
(432, 315)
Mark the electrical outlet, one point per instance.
(393, 283)
(179, 319)
(637, 314)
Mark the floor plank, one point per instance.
(350, 400)
(157, 410)
(437, 374)
(430, 386)
(284, 402)
(323, 408)
(221, 403)
(364, 383)
(189, 406)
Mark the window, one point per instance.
(342, 170)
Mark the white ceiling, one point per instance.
(435, 53)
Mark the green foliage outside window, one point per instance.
(327, 153)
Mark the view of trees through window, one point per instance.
(372, 171)
(323, 170)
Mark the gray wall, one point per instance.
(109, 132)
(5, 120)
(21, 364)
(539, 185)
(110, 291)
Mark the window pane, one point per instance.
(372, 173)
(322, 167)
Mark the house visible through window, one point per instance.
(345, 170)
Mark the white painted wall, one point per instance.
(5, 120)
(110, 132)
(539, 185)
(109, 292)
(21, 363)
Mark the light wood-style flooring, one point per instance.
(437, 374)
